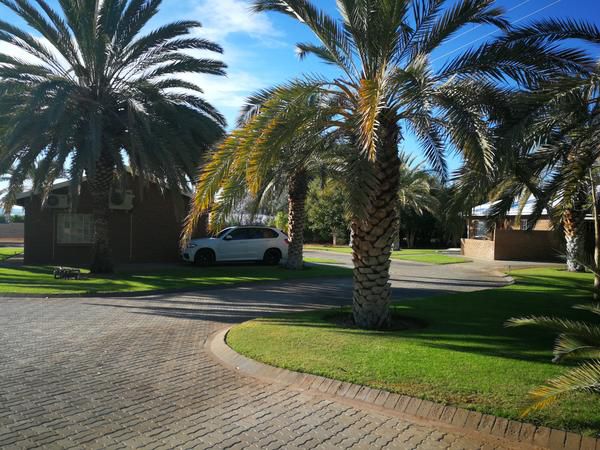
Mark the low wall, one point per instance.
(528, 245)
(477, 248)
(12, 233)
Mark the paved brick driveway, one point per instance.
(100, 373)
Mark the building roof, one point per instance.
(62, 184)
(515, 209)
(29, 193)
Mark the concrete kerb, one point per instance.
(510, 433)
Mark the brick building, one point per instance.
(511, 239)
(145, 226)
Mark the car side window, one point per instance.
(239, 234)
(253, 233)
(262, 233)
(270, 234)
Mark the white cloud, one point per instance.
(222, 18)
(229, 93)
(16, 52)
(227, 22)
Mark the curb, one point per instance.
(510, 433)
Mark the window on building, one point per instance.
(74, 229)
(480, 229)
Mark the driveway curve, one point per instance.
(133, 372)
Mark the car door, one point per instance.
(235, 246)
(256, 243)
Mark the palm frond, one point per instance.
(592, 307)
(585, 378)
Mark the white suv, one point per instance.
(247, 243)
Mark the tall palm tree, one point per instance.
(97, 94)
(555, 151)
(414, 193)
(248, 164)
(387, 83)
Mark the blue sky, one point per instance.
(260, 49)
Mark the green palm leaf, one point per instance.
(585, 378)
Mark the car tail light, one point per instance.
(287, 241)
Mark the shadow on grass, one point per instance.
(474, 322)
(39, 279)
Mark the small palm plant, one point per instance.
(577, 339)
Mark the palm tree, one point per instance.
(97, 94)
(387, 83)
(577, 339)
(414, 193)
(561, 148)
(540, 138)
(248, 164)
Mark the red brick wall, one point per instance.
(528, 245)
(148, 233)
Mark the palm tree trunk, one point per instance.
(396, 240)
(573, 239)
(297, 191)
(595, 212)
(372, 238)
(100, 184)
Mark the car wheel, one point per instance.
(272, 257)
(204, 257)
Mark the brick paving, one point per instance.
(124, 373)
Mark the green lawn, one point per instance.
(7, 252)
(465, 356)
(39, 279)
(321, 260)
(430, 256)
(329, 248)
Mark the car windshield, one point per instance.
(223, 233)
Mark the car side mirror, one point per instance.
(228, 238)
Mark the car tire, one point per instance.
(272, 257)
(204, 257)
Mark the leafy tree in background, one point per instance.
(327, 211)
(281, 221)
(102, 96)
